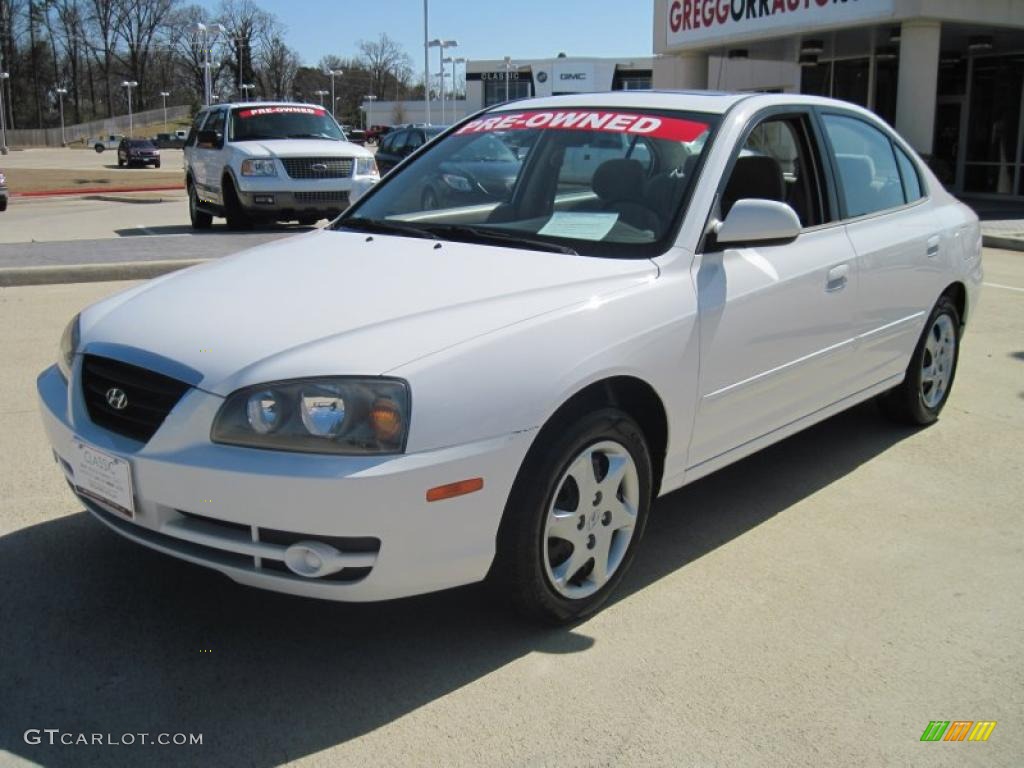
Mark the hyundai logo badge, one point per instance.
(117, 399)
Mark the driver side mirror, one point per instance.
(208, 139)
(758, 221)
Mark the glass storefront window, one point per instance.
(993, 126)
(494, 90)
(816, 80)
(886, 76)
(850, 81)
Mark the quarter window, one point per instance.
(911, 181)
(869, 179)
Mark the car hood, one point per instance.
(339, 303)
(301, 148)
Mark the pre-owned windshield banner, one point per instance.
(632, 123)
(259, 111)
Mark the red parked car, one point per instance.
(375, 132)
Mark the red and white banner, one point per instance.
(706, 21)
(632, 123)
(259, 111)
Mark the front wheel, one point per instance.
(200, 219)
(929, 378)
(99, 148)
(233, 212)
(575, 516)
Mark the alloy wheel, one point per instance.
(937, 360)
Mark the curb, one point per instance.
(91, 273)
(98, 190)
(1006, 242)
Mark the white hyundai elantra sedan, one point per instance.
(499, 380)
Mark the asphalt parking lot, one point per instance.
(816, 604)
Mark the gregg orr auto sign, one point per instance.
(699, 21)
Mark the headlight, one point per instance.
(366, 166)
(456, 182)
(337, 414)
(68, 346)
(260, 166)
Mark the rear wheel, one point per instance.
(99, 148)
(929, 378)
(575, 515)
(200, 219)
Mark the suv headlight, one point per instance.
(334, 414)
(68, 346)
(259, 166)
(366, 166)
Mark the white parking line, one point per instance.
(1004, 287)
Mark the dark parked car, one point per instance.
(3, 192)
(401, 143)
(483, 171)
(137, 152)
(169, 141)
(377, 132)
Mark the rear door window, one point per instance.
(869, 179)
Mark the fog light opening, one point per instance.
(312, 559)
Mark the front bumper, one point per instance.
(272, 202)
(237, 510)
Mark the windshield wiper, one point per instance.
(384, 227)
(497, 237)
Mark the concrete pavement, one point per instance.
(814, 605)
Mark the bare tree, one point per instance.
(248, 28)
(104, 20)
(388, 64)
(278, 65)
(138, 22)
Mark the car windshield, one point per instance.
(138, 144)
(287, 121)
(595, 182)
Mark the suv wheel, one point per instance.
(575, 516)
(200, 219)
(237, 218)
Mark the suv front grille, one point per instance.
(318, 167)
(149, 396)
(325, 196)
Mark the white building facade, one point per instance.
(948, 74)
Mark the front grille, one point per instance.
(318, 167)
(150, 396)
(340, 198)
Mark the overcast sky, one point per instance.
(485, 29)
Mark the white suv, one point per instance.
(272, 162)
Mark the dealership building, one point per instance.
(948, 74)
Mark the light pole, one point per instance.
(333, 73)
(60, 98)
(206, 35)
(441, 45)
(321, 93)
(453, 61)
(164, 95)
(426, 67)
(508, 74)
(3, 115)
(245, 88)
(128, 85)
(367, 122)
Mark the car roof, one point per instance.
(234, 104)
(715, 102)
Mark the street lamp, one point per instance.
(508, 74)
(453, 61)
(321, 93)
(332, 73)
(3, 115)
(441, 45)
(245, 88)
(128, 85)
(426, 66)
(367, 122)
(164, 95)
(60, 97)
(206, 35)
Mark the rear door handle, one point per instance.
(933, 247)
(837, 278)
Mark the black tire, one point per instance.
(3, 205)
(523, 558)
(919, 400)
(99, 148)
(200, 219)
(308, 221)
(156, 164)
(120, 162)
(236, 217)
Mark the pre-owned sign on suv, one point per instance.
(277, 162)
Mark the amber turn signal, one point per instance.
(386, 419)
(460, 488)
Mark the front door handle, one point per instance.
(837, 278)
